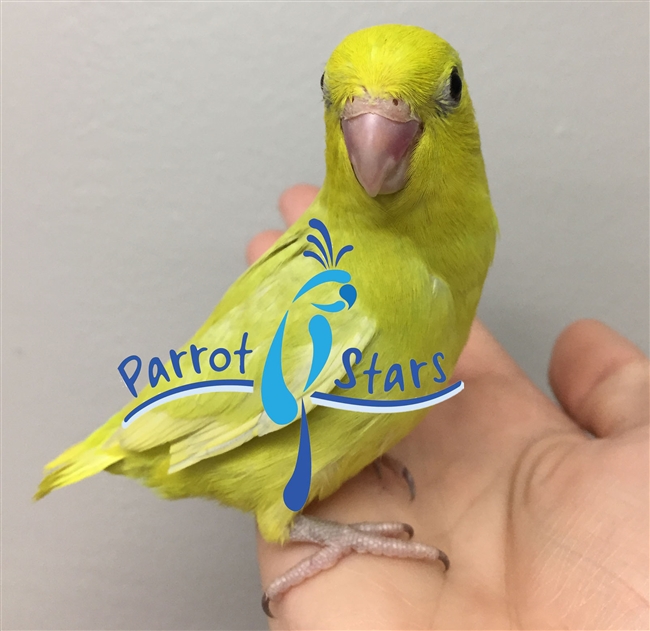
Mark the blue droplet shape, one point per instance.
(296, 491)
(349, 294)
(344, 250)
(317, 224)
(312, 239)
(278, 402)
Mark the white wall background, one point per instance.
(143, 144)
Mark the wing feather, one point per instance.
(205, 425)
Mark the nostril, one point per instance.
(352, 100)
(395, 102)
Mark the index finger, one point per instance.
(293, 203)
(295, 200)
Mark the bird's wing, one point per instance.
(205, 425)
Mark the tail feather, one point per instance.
(82, 460)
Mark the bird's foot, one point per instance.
(339, 540)
(397, 468)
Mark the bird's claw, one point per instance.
(396, 467)
(266, 605)
(444, 559)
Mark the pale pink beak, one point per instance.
(379, 136)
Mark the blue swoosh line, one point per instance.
(318, 398)
(215, 385)
(385, 407)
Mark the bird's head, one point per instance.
(397, 110)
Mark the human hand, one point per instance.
(545, 526)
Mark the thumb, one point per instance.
(600, 378)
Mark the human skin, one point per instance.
(546, 526)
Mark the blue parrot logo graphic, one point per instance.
(279, 403)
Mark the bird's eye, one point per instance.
(455, 86)
(326, 94)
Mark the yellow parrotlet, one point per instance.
(406, 187)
